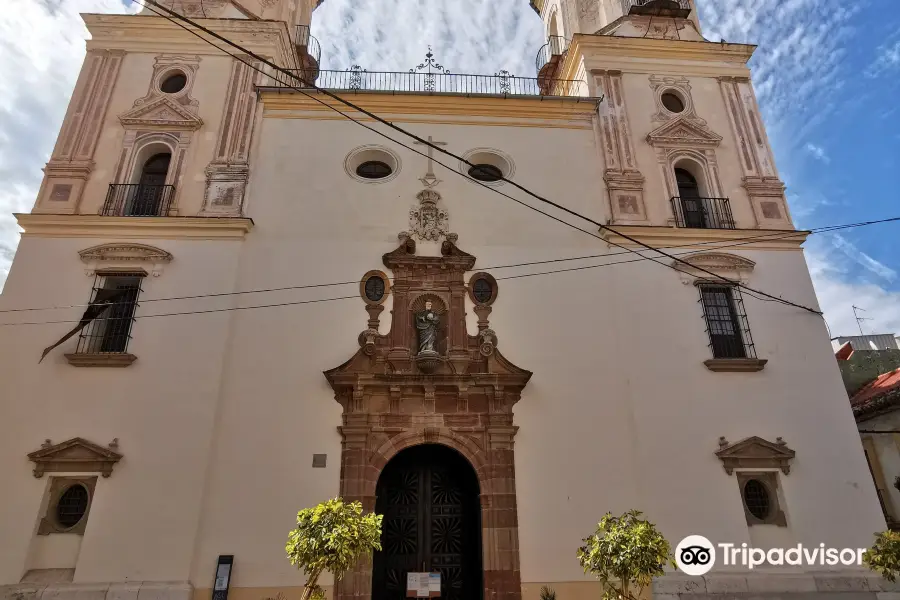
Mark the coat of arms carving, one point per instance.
(427, 221)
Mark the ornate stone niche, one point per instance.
(463, 400)
(75, 456)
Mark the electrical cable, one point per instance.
(742, 241)
(459, 158)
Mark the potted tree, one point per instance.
(884, 556)
(625, 553)
(331, 537)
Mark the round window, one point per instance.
(374, 169)
(672, 102)
(485, 172)
(483, 291)
(375, 289)
(174, 83)
(756, 496)
(71, 506)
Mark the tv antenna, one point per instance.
(860, 319)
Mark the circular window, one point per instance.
(485, 172)
(174, 83)
(672, 102)
(71, 506)
(374, 287)
(482, 288)
(756, 496)
(374, 169)
(372, 164)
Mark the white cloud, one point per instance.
(888, 58)
(817, 152)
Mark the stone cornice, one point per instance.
(708, 240)
(211, 228)
(149, 33)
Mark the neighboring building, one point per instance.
(885, 341)
(492, 418)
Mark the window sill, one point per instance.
(735, 365)
(101, 360)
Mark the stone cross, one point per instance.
(430, 180)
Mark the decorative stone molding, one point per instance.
(427, 222)
(165, 65)
(75, 456)
(730, 266)
(162, 112)
(682, 86)
(116, 360)
(461, 396)
(626, 197)
(768, 202)
(755, 453)
(681, 132)
(735, 365)
(111, 255)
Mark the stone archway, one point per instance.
(464, 402)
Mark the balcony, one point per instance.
(657, 8)
(548, 59)
(702, 213)
(308, 51)
(138, 200)
(503, 83)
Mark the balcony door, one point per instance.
(689, 196)
(146, 198)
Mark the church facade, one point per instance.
(288, 306)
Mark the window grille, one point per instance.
(110, 332)
(726, 322)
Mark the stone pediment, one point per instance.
(132, 253)
(75, 456)
(161, 112)
(682, 132)
(716, 262)
(755, 453)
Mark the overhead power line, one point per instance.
(772, 236)
(751, 291)
(747, 240)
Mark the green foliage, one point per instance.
(547, 593)
(625, 553)
(884, 556)
(331, 537)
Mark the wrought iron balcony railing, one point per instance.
(702, 213)
(138, 200)
(657, 8)
(555, 47)
(309, 49)
(503, 83)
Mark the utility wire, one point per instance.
(422, 141)
(773, 236)
(785, 235)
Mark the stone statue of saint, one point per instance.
(427, 322)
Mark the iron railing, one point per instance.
(726, 321)
(657, 8)
(357, 79)
(550, 52)
(309, 47)
(702, 213)
(110, 332)
(138, 200)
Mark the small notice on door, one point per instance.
(423, 585)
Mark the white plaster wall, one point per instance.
(143, 518)
(54, 551)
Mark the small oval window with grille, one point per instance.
(756, 496)
(483, 291)
(374, 169)
(174, 83)
(71, 506)
(672, 102)
(375, 289)
(485, 172)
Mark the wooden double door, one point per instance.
(432, 523)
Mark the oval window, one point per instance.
(485, 172)
(375, 289)
(174, 83)
(672, 102)
(71, 506)
(483, 291)
(374, 169)
(756, 496)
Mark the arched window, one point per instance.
(693, 211)
(151, 195)
(687, 184)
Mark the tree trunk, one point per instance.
(310, 584)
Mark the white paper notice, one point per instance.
(434, 585)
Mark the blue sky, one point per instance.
(827, 74)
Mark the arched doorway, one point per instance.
(691, 203)
(429, 497)
(150, 195)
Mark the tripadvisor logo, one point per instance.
(696, 555)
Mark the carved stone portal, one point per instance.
(464, 400)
